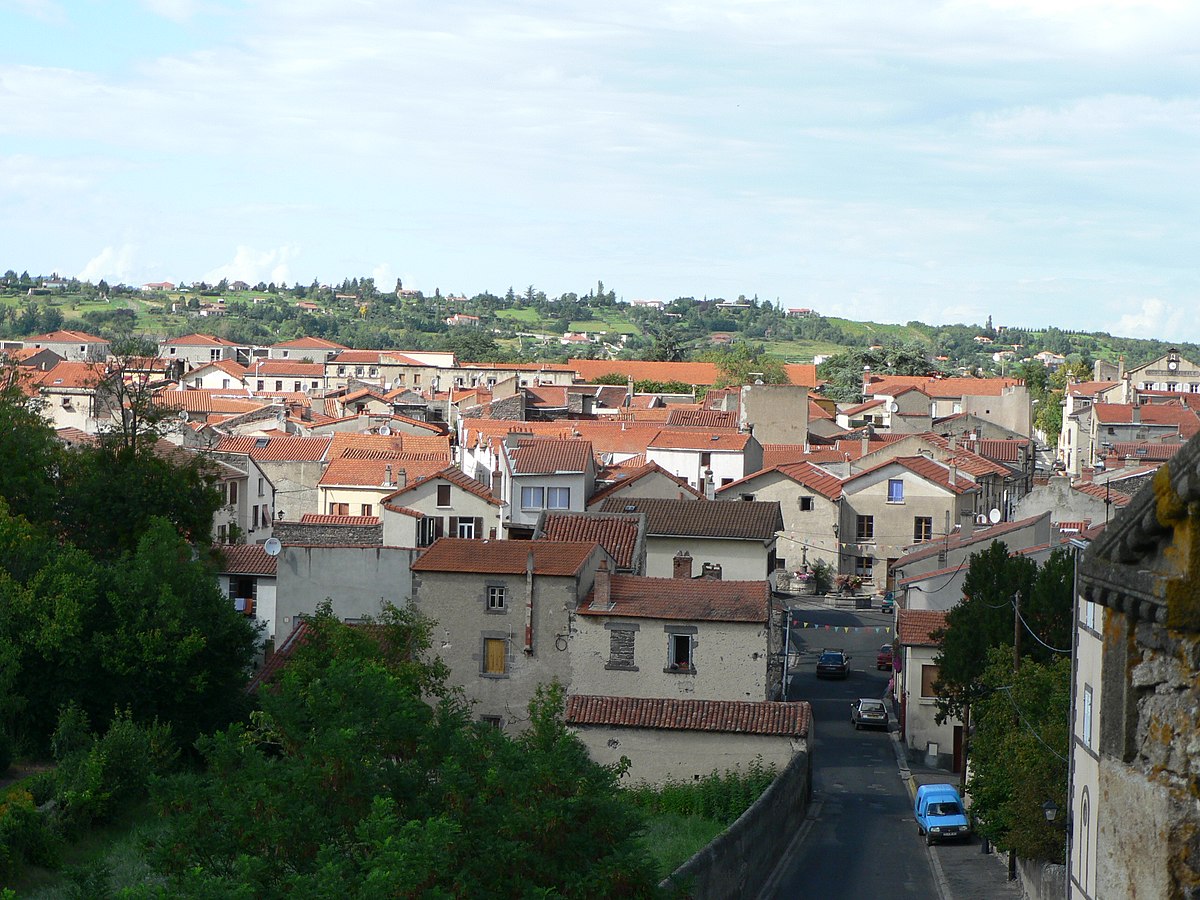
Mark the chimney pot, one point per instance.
(682, 565)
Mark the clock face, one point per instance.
(1172, 365)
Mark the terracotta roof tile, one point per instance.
(958, 540)
(504, 557)
(198, 340)
(706, 441)
(65, 336)
(455, 476)
(931, 470)
(279, 449)
(245, 559)
(66, 375)
(691, 599)
(702, 418)
(328, 519)
(1156, 451)
(546, 456)
(802, 374)
(344, 441)
(205, 402)
(1103, 492)
(732, 716)
(808, 474)
(350, 472)
(752, 520)
(310, 343)
(777, 454)
(1151, 414)
(915, 626)
(941, 388)
(616, 533)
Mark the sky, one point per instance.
(1031, 160)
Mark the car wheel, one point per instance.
(858, 726)
(929, 840)
(920, 831)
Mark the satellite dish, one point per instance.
(893, 406)
(271, 546)
(385, 430)
(183, 415)
(994, 516)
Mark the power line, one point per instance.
(1005, 689)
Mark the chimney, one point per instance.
(953, 441)
(497, 483)
(967, 526)
(711, 571)
(602, 593)
(953, 474)
(1121, 367)
(387, 476)
(681, 565)
(866, 443)
(401, 479)
(1135, 415)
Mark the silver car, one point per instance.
(866, 713)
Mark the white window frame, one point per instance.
(558, 498)
(536, 495)
(898, 495)
(497, 598)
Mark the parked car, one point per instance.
(865, 713)
(888, 603)
(833, 664)
(883, 659)
(940, 814)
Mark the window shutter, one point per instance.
(478, 532)
(454, 526)
(437, 527)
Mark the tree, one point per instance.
(364, 775)
(741, 364)
(844, 372)
(29, 450)
(1020, 749)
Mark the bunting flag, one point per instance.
(843, 629)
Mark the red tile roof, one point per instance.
(278, 449)
(687, 599)
(66, 374)
(328, 519)
(504, 557)
(808, 474)
(345, 441)
(735, 716)
(706, 441)
(616, 533)
(701, 373)
(65, 336)
(958, 540)
(1090, 388)
(1007, 450)
(861, 407)
(206, 402)
(547, 456)
(372, 473)
(803, 374)
(310, 343)
(286, 368)
(198, 340)
(455, 476)
(1151, 414)
(245, 559)
(915, 626)
(777, 454)
(1153, 451)
(931, 470)
(701, 418)
(1103, 492)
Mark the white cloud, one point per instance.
(1154, 319)
(252, 266)
(114, 264)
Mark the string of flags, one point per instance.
(843, 629)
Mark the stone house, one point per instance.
(196, 350)
(74, 346)
(736, 540)
(246, 575)
(247, 510)
(504, 612)
(357, 483)
(706, 460)
(293, 464)
(224, 375)
(622, 535)
(682, 740)
(69, 391)
(310, 349)
(1135, 808)
(448, 503)
(916, 692)
(538, 474)
(280, 375)
(676, 637)
(808, 498)
(650, 481)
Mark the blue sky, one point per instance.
(1032, 160)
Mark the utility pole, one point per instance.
(1012, 854)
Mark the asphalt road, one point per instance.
(861, 840)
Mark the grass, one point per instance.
(801, 351)
(671, 839)
(529, 316)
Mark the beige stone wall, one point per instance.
(423, 498)
(1085, 763)
(659, 755)
(458, 604)
(740, 560)
(808, 534)
(730, 660)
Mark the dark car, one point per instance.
(888, 603)
(833, 664)
(865, 713)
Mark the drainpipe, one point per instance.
(529, 604)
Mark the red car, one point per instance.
(883, 659)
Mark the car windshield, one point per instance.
(870, 706)
(834, 658)
(949, 808)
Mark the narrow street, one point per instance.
(862, 841)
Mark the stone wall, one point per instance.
(328, 535)
(741, 858)
(1042, 880)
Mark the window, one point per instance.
(497, 598)
(254, 517)
(232, 492)
(1087, 716)
(494, 721)
(558, 498)
(222, 531)
(494, 656)
(284, 354)
(706, 460)
(261, 484)
(339, 509)
(865, 529)
(895, 490)
(429, 529)
(296, 387)
(416, 378)
(533, 497)
(1089, 614)
(864, 567)
(279, 384)
(224, 383)
(679, 652)
(806, 504)
(1172, 386)
(466, 527)
(443, 495)
(366, 510)
(922, 529)
(260, 385)
(1194, 388)
(929, 677)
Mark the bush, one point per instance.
(24, 836)
(720, 797)
(822, 576)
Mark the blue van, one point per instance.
(940, 813)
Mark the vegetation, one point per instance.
(364, 774)
(1018, 702)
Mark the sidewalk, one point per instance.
(963, 870)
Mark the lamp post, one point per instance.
(1050, 811)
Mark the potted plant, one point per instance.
(847, 583)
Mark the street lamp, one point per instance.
(1050, 810)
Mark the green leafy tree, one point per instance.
(363, 775)
(29, 450)
(1020, 750)
(844, 372)
(742, 364)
